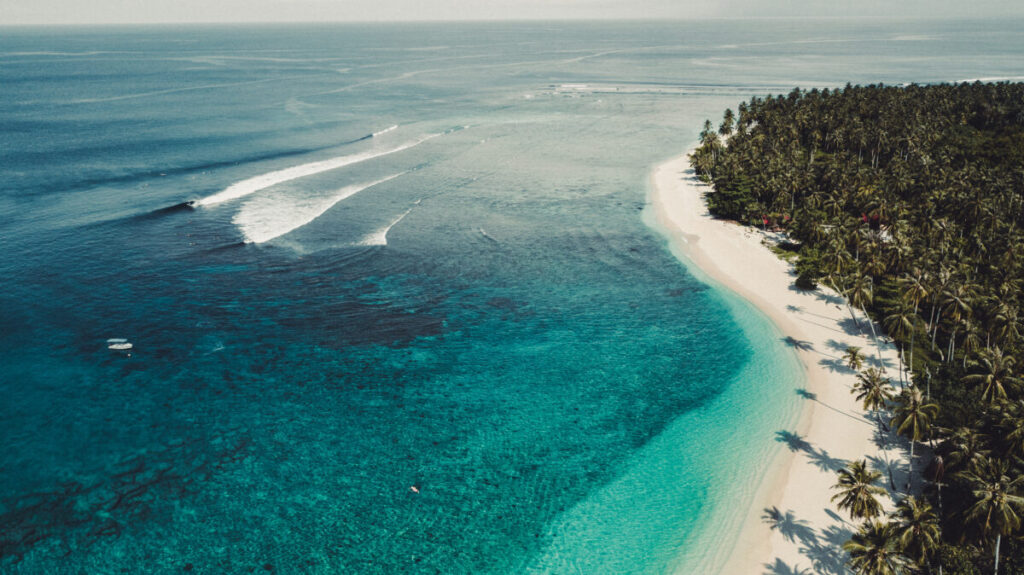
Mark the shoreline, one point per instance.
(804, 531)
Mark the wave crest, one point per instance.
(274, 215)
(256, 183)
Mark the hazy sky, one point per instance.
(129, 11)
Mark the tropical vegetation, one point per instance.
(908, 201)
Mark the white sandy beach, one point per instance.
(792, 526)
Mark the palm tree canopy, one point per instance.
(874, 550)
(993, 374)
(909, 202)
(857, 490)
(854, 358)
(914, 415)
(917, 529)
(872, 389)
(997, 503)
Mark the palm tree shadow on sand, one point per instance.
(791, 528)
(823, 550)
(807, 394)
(818, 457)
(792, 440)
(819, 295)
(825, 462)
(799, 344)
(891, 473)
(814, 397)
(826, 552)
(780, 568)
(836, 365)
(836, 345)
(851, 327)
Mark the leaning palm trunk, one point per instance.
(901, 366)
(910, 365)
(935, 327)
(874, 336)
(885, 454)
(999, 537)
(913, 332)
(910, 468)
(848, 306)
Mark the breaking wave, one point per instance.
(256, 183)
(380, 237)
(274, 215)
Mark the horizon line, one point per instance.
(652, 19)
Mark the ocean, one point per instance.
(395, 301)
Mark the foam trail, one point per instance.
(385, 131)
(487, 235)
(380, 237)
(268, 217)
(257, 183)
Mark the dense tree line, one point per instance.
(910, 202)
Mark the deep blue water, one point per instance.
(431, 270)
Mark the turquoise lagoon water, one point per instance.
(415, 256)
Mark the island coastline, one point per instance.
(791, 524)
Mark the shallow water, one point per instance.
(469, 303)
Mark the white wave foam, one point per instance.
(487, 235)
(380, 237)
(385, 131)
(273, 215)
(262, 181)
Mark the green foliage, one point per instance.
(733, 198)
(909, 200)
(957, 560)
(808, 268)
(857, 490)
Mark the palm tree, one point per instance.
(902, 224)
(873, 391)
(1011, 427)
(917, 529)
(957, 304)
(997, 504)
(728, 120)
(995, 374)
(857, 490)
(913, 419)
(963, 448)
(972, 339)
(914, 290)
(1009, 325)
(936, 471)
(873, 550)
(900, 322)
(860, 295)
(854, 358)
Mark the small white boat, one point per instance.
(120, 346)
